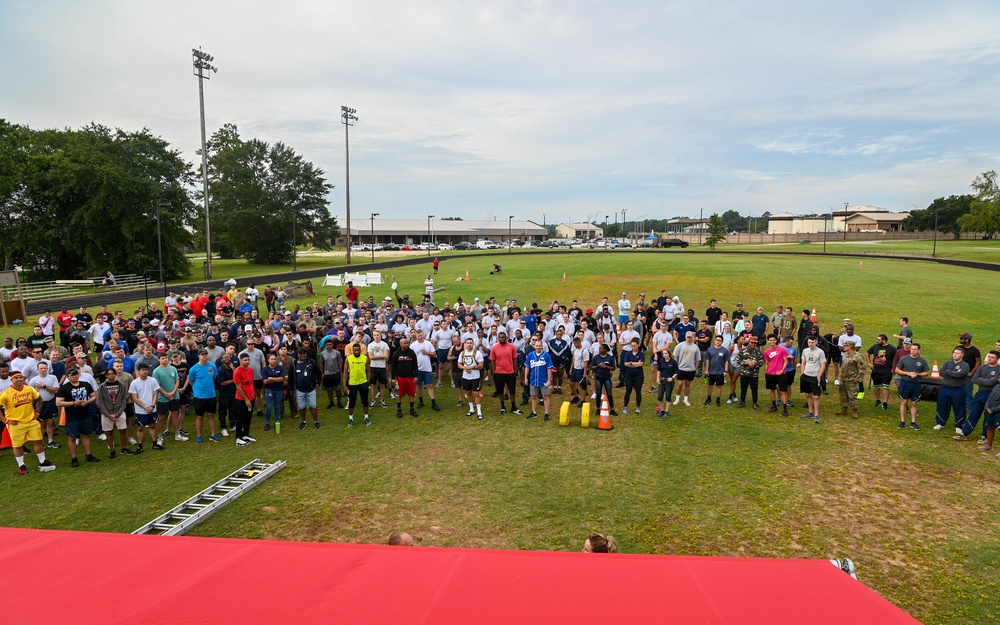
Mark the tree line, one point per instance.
(79, 202)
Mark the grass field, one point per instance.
(915, 510)
(972, 249)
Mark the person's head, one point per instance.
(272, 360)
(401, 538)
(811, 341)
(164, 359)
(689, 337)
(245, 360)
(17, 380)
(883, 339)
(404, 343)
(118, 365)
(718, 341)
(302, 354)
(356, 349)
(903, 321)
(329, 346)
(752, 340)
(849, 346)
(849, 329)
(502, 337)
(957, 354)
(36, 353)
(965, 339)
(43, 369)
(635, 344)
(110, 374)
(603, 349)
(788, 341)
(772, 341)
(992, 357)
(537, 344)
(599, 543)
(914, 349)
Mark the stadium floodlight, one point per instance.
(202, 63)
(347, 116)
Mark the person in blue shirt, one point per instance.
(716, 365)
(202, 380)
(602, 365)
(530, 320)
(759, 322)
(274, 378)
(632, 364)
(559, 351)
(537, 377)
(790, 368)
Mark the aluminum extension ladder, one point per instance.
(183, 517)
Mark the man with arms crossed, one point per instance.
(687, 356)
(201, 377)
(470, 361)
(910, 368)
(143, 390)
(537, 365)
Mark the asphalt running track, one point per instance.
(118, 297)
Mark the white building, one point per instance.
(406, 231)
(852, 218)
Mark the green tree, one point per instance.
(84, 202)
(258, 193)
(947, 211)
(984, 215)
(734, 222)
(716, 231)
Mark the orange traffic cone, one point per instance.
(605, 421)
(564, 276)
(467, 275)
(812, 317)
(5, 442)
(62, 417)
(861, 264)
(935, 373)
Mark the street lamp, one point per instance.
(701, 224)
(347, 115)
(202, 65)
(845, 219)
(510, 221)
(295, 248)
(429, 217)
(374, 215)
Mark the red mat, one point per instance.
(123, 579)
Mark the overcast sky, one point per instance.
(565, 110)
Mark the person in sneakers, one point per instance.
(425, 369)
(775, 360)
(243, 379)
(47, 386)
(579, 361)
(992, 418)
(306, 379)
(687, 356)
(378, 359)
(227, 392)
(951, 394)
(633, 361)
(852, 378)
(538, 377)
(751, 359)
(75, 398)
(144, 390)
(470, 361)
(503, 360)
(168, 401)
(19, 417)
(112, 396)
(403, 365)
(813, 367)
(602, 364)
(332, 362)
(986, 377)
(274, 377)
(666, 367)
(357, 372)
(716, 366)
(880, 358)
(910, 369)
(201, 377)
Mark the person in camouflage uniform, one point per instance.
(750, 359)
(852, 373)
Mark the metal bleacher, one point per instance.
(54, 289)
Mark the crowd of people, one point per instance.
(123, 378)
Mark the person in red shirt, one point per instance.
(437, 264)
(243, 405)
(352, 293)
(503, 358)
(269, 297)
(65, 320)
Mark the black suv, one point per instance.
(674, 242)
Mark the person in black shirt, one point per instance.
(713, 313)
(307, 379)
(403, 364)
(75, 397)
(974, 358)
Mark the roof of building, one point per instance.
(457, 227)
(579, 226)
(879, 216)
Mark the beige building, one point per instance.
(853, 219)
(579, 231)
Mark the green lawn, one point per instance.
(972, 249)
(225, 268)
(915, 510)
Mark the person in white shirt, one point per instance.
(624, 308)
(470, 361)
(97, 331)
(378, 357)
(47, 386)
(424, 350)
(441, 337)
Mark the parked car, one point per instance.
(392, 247)
(444, 247)
(674, 243)
(360, 248)
(465, 245)
(408, 248)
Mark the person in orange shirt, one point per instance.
(19, 415)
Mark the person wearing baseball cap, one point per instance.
(973, 358)
(624, 308)
(18, 403)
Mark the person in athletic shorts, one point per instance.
(47, 386)
(880, 358)
(667, 368)
(202, 379)
(579, 361)
(144, 390)
(716, 366)
(793, 353)
(378, 360)
(403, 365)
(910, 368)
(688, 356)
(813, 367)
(503, 359)
(19, 417)
(332, 361)
(470, 361)
(356, 376)
(775, 358)
(111, 399)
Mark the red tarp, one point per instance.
(81, 577)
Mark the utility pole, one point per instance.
(846, 204)
(374, 215)
(202, 64)
(159, 242)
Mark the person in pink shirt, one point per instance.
(776, 360)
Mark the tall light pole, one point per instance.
(347, 115)
(623, 221)
(701, 225)
(295, 246)
(374, 215)
(826, 228)
(429, 217)
(202, 65)
(934, 252)
(845, 219)
(510, 221)
(159, 242)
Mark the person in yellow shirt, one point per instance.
(357, 371)
(19, 415)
